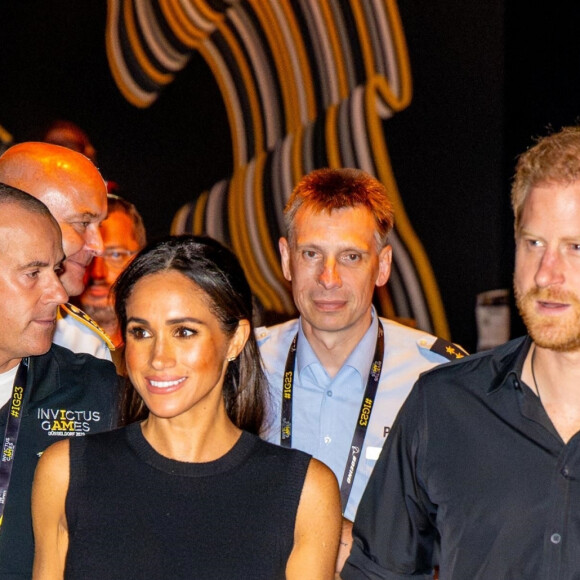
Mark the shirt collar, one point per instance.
(513, 361)
(360, 359)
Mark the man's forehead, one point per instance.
(352, 221)
(118, 225)
(66, 203)
(312, 214)
(14, 214)
(556, 194)
(551, 208)
(30, 237)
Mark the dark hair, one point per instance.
(217, 272)
(9, 194)
(325, 190)
(116, 203)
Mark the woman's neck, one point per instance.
(184, 439)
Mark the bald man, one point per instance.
(72, 188)
(47, 392)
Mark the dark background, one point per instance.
(487, 78)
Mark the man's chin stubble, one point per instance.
(102, 315)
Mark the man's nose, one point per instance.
(94, 240)
(329, 277)
(97, 269)
(55, 292)
(550, 269)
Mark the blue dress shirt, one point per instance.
(325, 409)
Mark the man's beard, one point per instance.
(560, 332)
(104, 316)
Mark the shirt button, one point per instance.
(327, 439)
(329, 393)
(566, 472)
(555, 538)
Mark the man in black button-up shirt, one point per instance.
(485, 454)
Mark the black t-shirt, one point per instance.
(67, 395)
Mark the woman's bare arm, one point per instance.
(345, 545)
(48, 512)
(318, 525)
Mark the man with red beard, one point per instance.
(72, 188)
(484, 457)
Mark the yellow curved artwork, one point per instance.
(306, 84)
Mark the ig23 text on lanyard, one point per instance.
(360, 430)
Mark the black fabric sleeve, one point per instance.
(394, 533)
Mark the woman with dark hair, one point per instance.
(186, 489)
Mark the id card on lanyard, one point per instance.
(363, 417)
(11, 433)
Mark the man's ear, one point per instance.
(385, 261)
(284, 247)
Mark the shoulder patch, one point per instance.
(261, 332)
(72, 310)
(448, 350)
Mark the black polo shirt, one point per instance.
(472, 460)
(67, 395)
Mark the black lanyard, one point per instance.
(363, 416)
(11, 432)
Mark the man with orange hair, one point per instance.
(339, 373)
